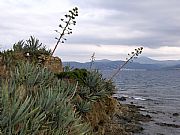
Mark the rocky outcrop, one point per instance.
(109, 117)
(54, 64)
(101, 114)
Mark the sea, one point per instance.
(158, 92)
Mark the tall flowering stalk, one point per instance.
(65, 26)
(92, 60)
(132, 56)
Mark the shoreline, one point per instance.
(127, 120)
(162, 122)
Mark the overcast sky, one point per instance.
(110, 28)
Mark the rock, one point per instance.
(128, 119)
(175, 114)
(54, 64)
(159, 134)
(133, 128)
(148, 116)
(168, 125)
(122, 99)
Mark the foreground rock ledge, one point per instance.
(109, 117)
(126, 120)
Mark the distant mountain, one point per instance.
(103, 60)
(142, 63)
(110, 65)
(176, 67)
(165, 63)
(146, 60)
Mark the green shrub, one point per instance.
(83, 106)
(93, 85)
(99, 86)
(76, 74)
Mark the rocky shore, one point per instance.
(126, 120)
(160, 122)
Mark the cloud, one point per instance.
(116, 23)
(70, 52)
(157, 20)
(20, 19)
(163, 53)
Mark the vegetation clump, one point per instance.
(29, 50)
(34, 101)
(31, 46)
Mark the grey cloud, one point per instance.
(149, 42)
(159, 19)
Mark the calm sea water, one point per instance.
(158, 92)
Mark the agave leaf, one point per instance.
(46, 111)
(22, 111)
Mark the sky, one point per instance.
(110, 28)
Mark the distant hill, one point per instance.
(110, 65)
(142, 63)
(146, 60)
(103, 60)
(176, 67)
(165, 63)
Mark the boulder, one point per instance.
(54, 64)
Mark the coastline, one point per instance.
(160, 122)
(126, 120)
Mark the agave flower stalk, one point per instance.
(132, 56)
(69, 20)
(92, 60)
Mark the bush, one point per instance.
(76, 74)
(92, 85)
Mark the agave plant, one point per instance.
(92, 85)
(83, 106)
(96, 83)
(15, 112)
(18, 47)
(33, 46)
(7, 58)
(47, 110)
